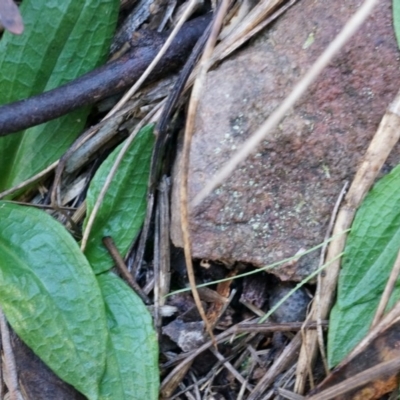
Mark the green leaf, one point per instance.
(51, 297)
(132, 352)
(122, 211)
(370, 252)
(62, 40)
(396, 20)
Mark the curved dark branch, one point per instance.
(104, 81)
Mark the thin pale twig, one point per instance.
(167, 387)
(184, 166)
(188, 12)
(9, 360)
(285, 359)
(318, 296)
(111, 175)
(286, 394)
(165, 273)
(250, 145)
(381, 145)
(253, 23)
(388, 291)
(386, 368)
(230, 368)
(29, 181)
(156, 272)
(391, 318)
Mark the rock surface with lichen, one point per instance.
(279, 201)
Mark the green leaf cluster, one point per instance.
(85, 323)
(370, 252)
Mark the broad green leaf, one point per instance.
(396, 20)
(370, 252)
(61, 41)
(51, 297)
(123, 209)
(132, 352)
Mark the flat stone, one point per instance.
(280, 200)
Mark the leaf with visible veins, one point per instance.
(50, 296)
(122, 211)
(61, 41)
(370, 252)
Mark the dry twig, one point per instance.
(9, 360)
(388, 291)
(112, 173)
(385, 138)
(188, 12)
(194, 99)
(250, 145)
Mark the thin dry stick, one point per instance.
(9, 360)
(388, 291)
(156, 271)
(165, 267)
(112, 173)
(285, 358)
(242, 390)
(385, 138)
(247, 27)
(194, 100)
(247, 35)
(122, 268)
(230, 368)
(286, 394)
(29, 181)
(169, 383)
(173, 380)
(188, 12)
(250, 145)
(391, 318)
(81, 210)
(318, 296)
(383, 369)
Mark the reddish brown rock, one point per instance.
(280, 200)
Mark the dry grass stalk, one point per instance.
(256, 17)
(388, 291)
(188, 12)
(9, 361)
(284, 361)
(318, 294)
(184, 166)
(230, 368)
(358, 380)
(112, 173)
(29, 181)
(381, 145)
(392, 317)
(264, 132)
